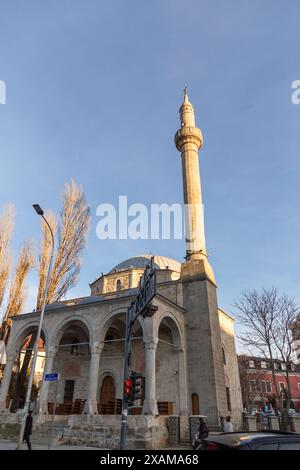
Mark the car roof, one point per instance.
(239, 438)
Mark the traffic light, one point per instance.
(128, 389)
(137, 386)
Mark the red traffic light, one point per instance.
(128, 388)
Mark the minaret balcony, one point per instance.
(188, 135)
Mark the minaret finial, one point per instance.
(185, 96)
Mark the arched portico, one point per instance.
(112, 336)
(171, 386)
(20, 349)
(68, 355)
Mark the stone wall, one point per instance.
(167, 373)
(249, 422)
(143, 432)
(204, 350)
(294, 423)
(172, 290)
(232, 378)
(70, 367)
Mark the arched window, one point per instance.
(224, 356)
(118, 285)
(195, 404)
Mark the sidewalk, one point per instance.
(11, 445)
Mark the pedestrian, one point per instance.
(28, 430)
(228, 426)
(200, 435)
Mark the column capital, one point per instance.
(96, 347)
(151, 344)
(51, 351)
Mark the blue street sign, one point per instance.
(50, 377)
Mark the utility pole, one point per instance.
(40, 212)
(141, 305)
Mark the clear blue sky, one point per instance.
(93, 91)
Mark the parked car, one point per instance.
(252, 441)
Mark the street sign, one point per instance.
(145, 294)
(51, 377)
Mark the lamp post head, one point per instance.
(38, 209)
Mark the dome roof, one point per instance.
(160, 262)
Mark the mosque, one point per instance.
(185, 351)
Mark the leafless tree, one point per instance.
(283, 341)
(44, 258)
(71, 228)
(17, 290)
(6, 230)
(266, 320)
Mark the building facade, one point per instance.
(185, 351)
(257, 384)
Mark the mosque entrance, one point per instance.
(195, 404)
(108, 404)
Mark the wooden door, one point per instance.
(69, 390)
(107, 395)
(195, 404)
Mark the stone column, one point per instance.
(150, 402)
(6, 382)
(48, 369)
(182, 383)
(92, 392)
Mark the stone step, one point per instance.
(43, 438)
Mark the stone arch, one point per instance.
(72, 362)
(118, 383)
(170, 365)
(20, 346)
(171, 320)
(62, 326)
(19, 337)
(109, 318)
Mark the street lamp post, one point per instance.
(40, 212)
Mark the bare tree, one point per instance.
(6, 230)
(283, 341)
(266, 320)
(71, 228)
(17, 291)
(44, 259)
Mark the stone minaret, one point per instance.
(206, 376)
(188, 140)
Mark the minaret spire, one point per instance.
(188, 140)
